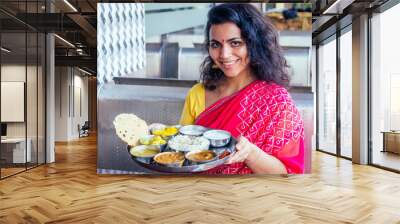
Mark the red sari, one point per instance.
(265, 114)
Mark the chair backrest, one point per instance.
(86, 125)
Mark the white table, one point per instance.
(19, 149)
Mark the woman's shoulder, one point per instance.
(273, 90)
(197, 89)
(277, 95)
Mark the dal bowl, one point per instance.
(201, 156)
(144, 153)
(171, 159)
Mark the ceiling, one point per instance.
(330, 15)
(75, 21)
(76, 25)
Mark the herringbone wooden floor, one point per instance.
(70, 191)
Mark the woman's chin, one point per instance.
(230, 73)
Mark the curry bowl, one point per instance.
(201, 156)
(170, 159)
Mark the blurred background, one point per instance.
(175, 49)
(50, 46)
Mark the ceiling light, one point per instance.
(84, 71)
(5, 50)
(70, 5)
(65, 41)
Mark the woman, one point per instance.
(243, 91)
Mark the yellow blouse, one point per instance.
(194, 104)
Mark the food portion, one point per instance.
(201, 156)
(224, 154)
(130, 128)
(217, 135)
(188, 143)
(169, 158)
(191, 148)
(152, 140)
(166, 132)
(144, 151)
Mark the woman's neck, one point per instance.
(234, 84)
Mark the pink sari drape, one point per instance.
(265, 114)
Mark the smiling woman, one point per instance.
(243, 92)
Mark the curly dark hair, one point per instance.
(266, 56)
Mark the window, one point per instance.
(327, 97)
(346, 94)
(385, 87)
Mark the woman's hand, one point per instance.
(256, 159)
(245, 150)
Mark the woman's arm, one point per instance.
(262, 163)
(256, 159)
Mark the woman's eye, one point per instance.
(214, 45)
(236, 43)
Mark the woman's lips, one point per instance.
(228, 64)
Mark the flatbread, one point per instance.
(130, 128)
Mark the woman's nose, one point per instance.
(226, 52)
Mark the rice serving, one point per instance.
(188, 143)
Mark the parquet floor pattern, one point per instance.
(70, 191)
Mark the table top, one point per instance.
(392, 132)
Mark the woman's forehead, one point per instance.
(224, 32)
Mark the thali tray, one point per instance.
(188, 166)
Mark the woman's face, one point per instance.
(228, 50)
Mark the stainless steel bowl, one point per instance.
(218, 138)
(190, 156)
(173, 164)
(138, 150)
(193, 130)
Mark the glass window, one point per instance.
(22, 91)
(385, 84)
(346, 94)
(14, 153)
(327, 97)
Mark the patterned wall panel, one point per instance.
(120, 40)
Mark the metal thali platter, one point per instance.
(188, 166)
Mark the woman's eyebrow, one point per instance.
(229, 40)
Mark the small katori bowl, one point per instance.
(218, 138)
(192, 130)
(144, 153)
(201, 156)
(170, 159)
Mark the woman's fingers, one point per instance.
(242, 141)
(234, 159)
(239, 156)
(243, 149)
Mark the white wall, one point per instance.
(71, 94)
(13, 73)
(34, 124)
